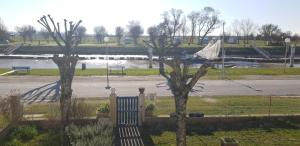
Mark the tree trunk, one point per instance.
(119, 40)
(181, 120)
(135, 41)
(65, 100)
(66, 66)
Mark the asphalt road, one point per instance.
(47, 88)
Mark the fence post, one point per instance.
(141, 110)
(113, 106)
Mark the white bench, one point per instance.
(117, 68)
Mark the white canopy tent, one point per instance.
(210, 52)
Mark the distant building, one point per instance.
(204, 41)
(126, 40)
(232, 40)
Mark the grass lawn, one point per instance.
(49, 108)
(219, 105)
(267, 134)
(231, 73)
(30, 135)
(232, 105)
(3, 122)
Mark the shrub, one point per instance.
(80, 109)
(53, 112)
(24, 133)
(52, 138)
(11, 108)
(14, 142)
(149, 109)
(100, 133)
(103, 108)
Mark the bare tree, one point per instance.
(236, 29)
(26, 32)
(3, 32)
(68, 42)
(296, 37)
(180, 80)
(45, 34)
(184, 29)
(135, 30)
(201, 22)
(100, 33)
(248, 28)
(173, 19)
(269, 30)
(119, 34)
(211, 22)
(80, 33)
(193, 17)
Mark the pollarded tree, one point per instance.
(100, 33)
(180, 80)
(67, 41)
(119, 34)
(135, 30)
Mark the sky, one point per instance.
(112, 13)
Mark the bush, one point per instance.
(11, 108)
(103, 108)
(24, 133)
(53, 112)
(100, 134)
(52, 138)
(14, 142)
(150, 109)
(80, 109)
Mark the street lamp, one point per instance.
(287, 42)
(293, 47)
(223, 53)
(107, 79)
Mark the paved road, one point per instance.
(46, 88)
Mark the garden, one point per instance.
(91, 125)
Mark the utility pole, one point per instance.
(107, 79)
(223, 53)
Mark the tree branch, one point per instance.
(201, 72)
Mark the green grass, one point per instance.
(4, 70)
(258, 132)
(219, 105)
(231, 73)
(232, 105)
(51, 137)
(3, 122)
(44, 108)
(246, 137)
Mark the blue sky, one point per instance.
(112, 13)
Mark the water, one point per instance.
(95, 63)
(100, 61)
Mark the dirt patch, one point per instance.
(210, 100)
